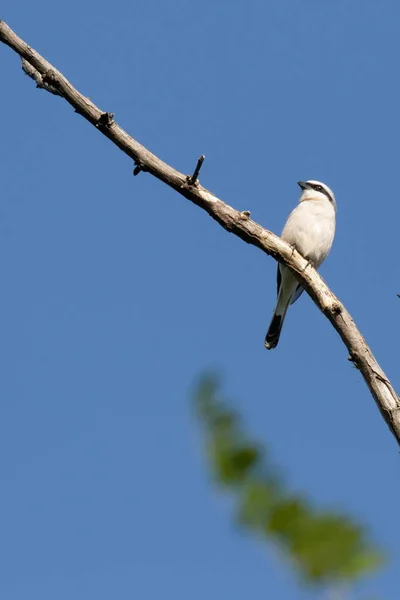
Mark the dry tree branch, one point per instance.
(238, 223)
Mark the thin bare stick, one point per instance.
(238, 223)
(193, 179)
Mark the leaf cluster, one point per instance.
(325, 547)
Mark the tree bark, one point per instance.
(238, 223)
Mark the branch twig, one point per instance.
(238, 223)
(193, 178)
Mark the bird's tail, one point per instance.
(275, 327)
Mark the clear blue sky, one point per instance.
(116, 292)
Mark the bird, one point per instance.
(310, 229)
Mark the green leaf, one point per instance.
(325, 548)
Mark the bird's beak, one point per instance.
(304, 185)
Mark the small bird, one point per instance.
(310, 229)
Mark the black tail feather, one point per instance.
(274, 331)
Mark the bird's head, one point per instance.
(315, 190)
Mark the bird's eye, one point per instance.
(319, 188)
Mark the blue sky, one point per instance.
(116, 292)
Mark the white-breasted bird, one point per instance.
(310, 229)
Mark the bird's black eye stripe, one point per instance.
(319, 188)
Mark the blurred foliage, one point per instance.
(325, 548)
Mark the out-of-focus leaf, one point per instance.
(232, 464)
(325, 547)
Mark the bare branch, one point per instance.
(238, 223)
(36, 76)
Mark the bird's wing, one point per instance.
(278, 280)
(298, 292)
